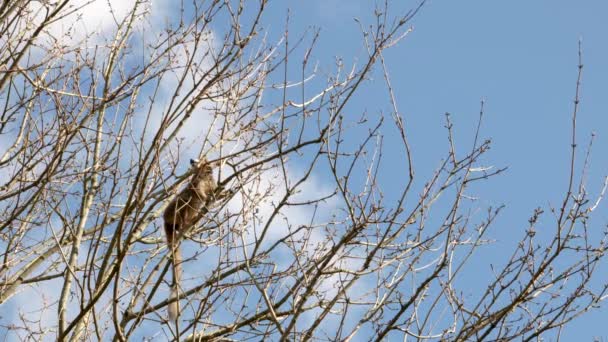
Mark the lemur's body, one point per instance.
(181, 214)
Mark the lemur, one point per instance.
(181, 214)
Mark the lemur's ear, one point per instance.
(194, 162)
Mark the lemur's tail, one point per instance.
(173, 244)
(173, 308)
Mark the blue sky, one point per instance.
(521, 58)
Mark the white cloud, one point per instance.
(94, 18)
(99, 18)
(260, 198)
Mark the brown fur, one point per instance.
(181, 214)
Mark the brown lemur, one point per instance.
(181, 215)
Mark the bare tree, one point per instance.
(304, 238)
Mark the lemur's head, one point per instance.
(203, 167)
